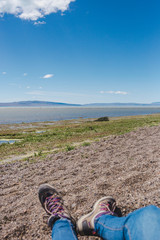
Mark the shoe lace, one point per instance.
(54, 206)
(107, 207)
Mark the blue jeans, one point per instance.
(142, 224)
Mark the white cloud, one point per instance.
(25, 74)
(39, 23)
(28, 87)
(114, 92)
(33, 9)
(4, 73)
(37, 93)
(48, 76)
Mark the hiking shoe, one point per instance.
(53, 204)
(103, 206)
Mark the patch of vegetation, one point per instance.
(85, 144)
(69, 148)
(40, 153)
(64, 135)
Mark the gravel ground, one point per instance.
(126, 167)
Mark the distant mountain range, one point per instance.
(37, 104)
(124, 104)
(59, 104)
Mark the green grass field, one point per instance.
(66, 134)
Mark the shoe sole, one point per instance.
(81, 220)
(43, 190)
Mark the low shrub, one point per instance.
(101, 119)
(69, 148)
(85, 144)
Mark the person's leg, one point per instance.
(110, 227)
(63, 229)
(142, 224)
(60, 220)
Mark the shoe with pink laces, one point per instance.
(53, 204)
(104, 206)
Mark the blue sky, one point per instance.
(80, 51)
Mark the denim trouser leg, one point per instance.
(63, 230)
(142, 224)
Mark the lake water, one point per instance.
(7, 141)
(41, 114)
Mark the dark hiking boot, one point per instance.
(105, 205)
(53, 204)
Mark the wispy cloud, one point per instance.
(37, 93)
(114, 92)
(39, 23)
(4, 73)
(48, 76)
(52, 93)
(33, 9)
(28, 87)
(25, 74)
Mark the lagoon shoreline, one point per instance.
(29, 115)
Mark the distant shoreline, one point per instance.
(65, 107)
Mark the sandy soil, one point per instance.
(127, 167)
